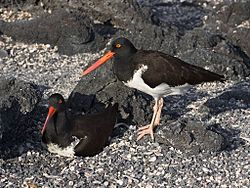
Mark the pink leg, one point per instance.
(158, 115)
(149, 129)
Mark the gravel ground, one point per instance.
(42, 65)
(124, 163)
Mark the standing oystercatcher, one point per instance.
(81, 135)
(154, 73)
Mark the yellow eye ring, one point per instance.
(118, 45)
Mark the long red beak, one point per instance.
(51, 112)
(97, 64)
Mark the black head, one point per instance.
(56, 104)
(122, 47)
(56, 100)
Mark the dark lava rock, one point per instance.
(133, 22)
(167, 27)
(185, 29)
(17, 102)
(232, 20)
(71, 31)
(182, 15)
(213, 51)
(190, 136)
(101, 88)
(235, 97)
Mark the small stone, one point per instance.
(149, 186)
(120, 182)
(71, 183)
(3, 53)
(205, 169)
(152, 159)
(31, 185)
(106, 183)
(28, 153)
(129, 156)
(19, 159)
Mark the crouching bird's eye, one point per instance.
(118, 45)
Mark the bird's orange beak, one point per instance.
(98, 63)
(51, 112)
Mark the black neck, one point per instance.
(58, 130)
(58, 125)
(123, 67)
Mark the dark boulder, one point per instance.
(190, 136)
(235, 97)
(199, 34)
(215, 52)
(178, 31)
(180, 15)
(231, 19)
(100, 88)
(18, 100)
(71, 31)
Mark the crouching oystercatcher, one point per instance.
(154, 73)
(80, 135)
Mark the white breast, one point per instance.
(159, 91)
(67, 151)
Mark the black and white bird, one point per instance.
(80, 135)
(154, 73)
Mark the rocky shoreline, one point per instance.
(204, 137)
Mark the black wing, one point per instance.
(163, 68)
(96, 128)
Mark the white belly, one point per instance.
(159, 91)
(67, 151)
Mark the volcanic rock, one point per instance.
(185, 29)
(100, 88)
(71, 31)
(228, 100)
(190, 136)
(232, 20)
(18, 100)
(174, 29)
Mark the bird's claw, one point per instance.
(148, 129)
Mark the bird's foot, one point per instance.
(148, 129)
(157, 122)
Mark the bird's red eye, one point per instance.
(60, 101)
(118, 45)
